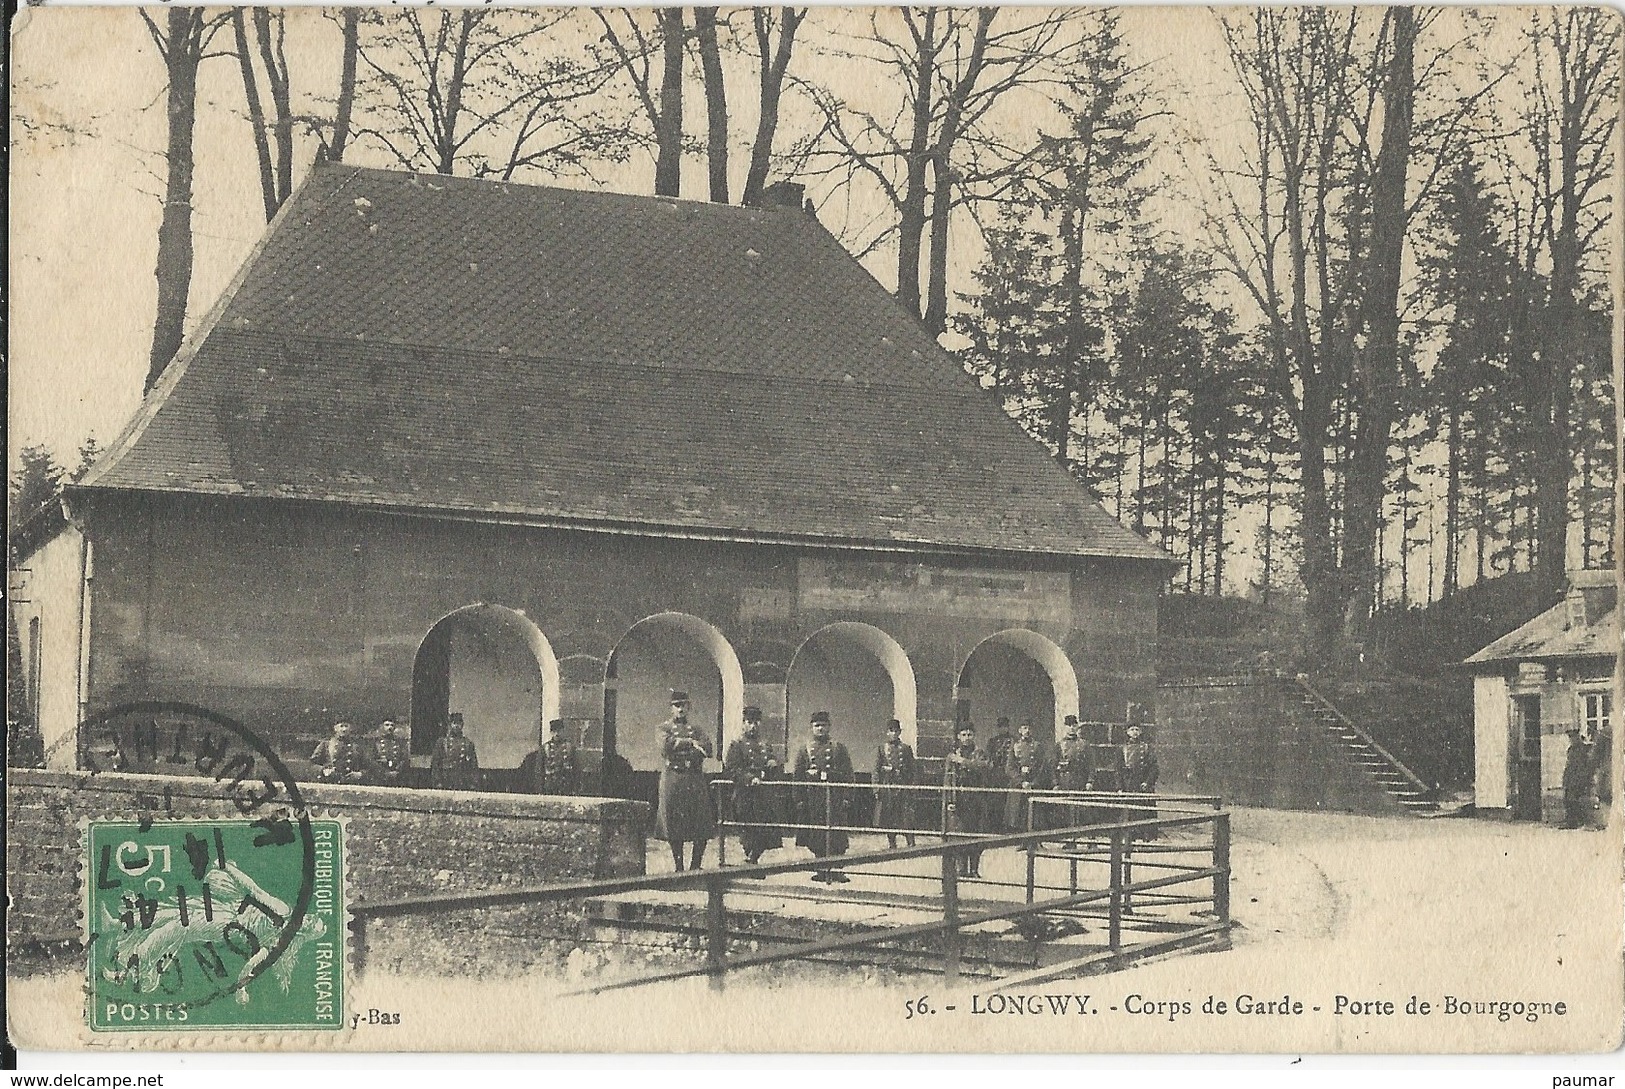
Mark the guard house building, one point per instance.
(1532, 686)
(527, 453)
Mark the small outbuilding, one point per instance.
(1532, 687)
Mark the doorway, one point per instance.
(1526, 739)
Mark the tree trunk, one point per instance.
(1269, 527)
(447, 141)
(953, 123)
(1321, 576)
(1377, 368)
(1452, 501)
(173, 268)
(773, 69)
(351, 22)
(936, 280)
(1219, 482)
(669, 130)
(276, 79)
(256, 113)
(716, 103)
(911, 214)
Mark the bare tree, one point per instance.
(1377, 364)
(273, 141)
(182, 44)
(773, 64)
(927, 150)
(488, 92)
(636, 36)
(350, 24)
(1570, 125)
(716, 103)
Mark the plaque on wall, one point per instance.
(903, 587)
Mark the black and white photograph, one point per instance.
(814, 529)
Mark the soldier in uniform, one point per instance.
(997, 754)
(751, 765)
(1578, 771)
(392, 754)
(342, 758)
(822, 761)
(894, 766)
(684, 814)
(966, 811)
(1137, 770)
(1073, 768)
(1074, 759)
(559, 764)
(455, 765)
(1026, 768)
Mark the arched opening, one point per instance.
(861, 676)
(493, 666)
(1020, 675)
(657, 654)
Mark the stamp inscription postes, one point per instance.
(195, 925)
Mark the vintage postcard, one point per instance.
(814, 529)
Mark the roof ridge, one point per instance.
(466, 180)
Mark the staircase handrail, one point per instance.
(1416, 780)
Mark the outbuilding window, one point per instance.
(1596, 711)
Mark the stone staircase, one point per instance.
(1380, 766)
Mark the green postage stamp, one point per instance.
(215, 924)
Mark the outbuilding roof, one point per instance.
(1558, 633)
(478, 348)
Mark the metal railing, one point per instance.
(1118, 851)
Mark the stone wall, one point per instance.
(1249, 743)
(398, 843)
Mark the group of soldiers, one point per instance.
(348, 758)
(454, 764)
(685, 816)
(983, 791)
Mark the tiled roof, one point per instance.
(448, 345)
(1549, 635)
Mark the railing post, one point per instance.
(716, 932)
(1032, 866)
(722, 825)
(1221, 863)
(358, 943)
(829, 813)
(950, 918)
(1114, 929)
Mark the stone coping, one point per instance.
(383, 798)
